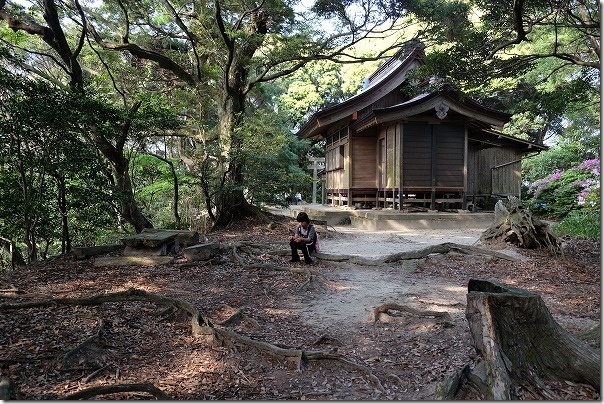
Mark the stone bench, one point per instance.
(159, 241)
(80, 253)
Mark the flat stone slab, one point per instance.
(87, 252)
(146, 251)
(201, 252)
(184, 238)
(145, 239)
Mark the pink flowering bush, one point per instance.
(565, 191)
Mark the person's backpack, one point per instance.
(316, 237)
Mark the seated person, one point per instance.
(304, 239)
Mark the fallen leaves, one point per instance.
(144, 343)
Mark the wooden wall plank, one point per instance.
(417, 149)
(504, 180)
(450, 140)
(363, 157)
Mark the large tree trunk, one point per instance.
(230, 201)
(520, 344)
(129, 208)
(232, 207)
(120, 164)
(231, 204)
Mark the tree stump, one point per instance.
(520, 344)
(515, 224)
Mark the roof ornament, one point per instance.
(441, 110)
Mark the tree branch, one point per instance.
(192, 37)
(162, 61)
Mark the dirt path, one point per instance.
(357, 290)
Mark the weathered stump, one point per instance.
(519, 343)
(515, 224)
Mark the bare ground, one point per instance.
(409, 355)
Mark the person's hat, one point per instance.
(302, 217)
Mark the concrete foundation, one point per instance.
(386, 219)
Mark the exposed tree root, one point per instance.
(272, 267)
(10, 290)
(297, 355)
(349, 258)
(86, 352)
(198, 322)
(201, 326)
(311, 274)
(326, 339)
(233, 318)
(309, 280)
(407, 255)
(330, 257)
(118, 388)
(94, 374)
(236, 318)
(378, 313)
(443, 249)
(256, 250)
(248, 248)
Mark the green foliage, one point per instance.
(275, 160)
(155, 188)
(569, 152)
(565, 191)
(317, 85)
(46, 154)
(321, 83)
(579, 223)
(191, 73)
(446, 20)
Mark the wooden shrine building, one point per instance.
(387, 149)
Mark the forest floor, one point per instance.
(55, 351)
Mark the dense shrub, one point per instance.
(571, 196)
(579, 224)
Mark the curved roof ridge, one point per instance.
(412, 50)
